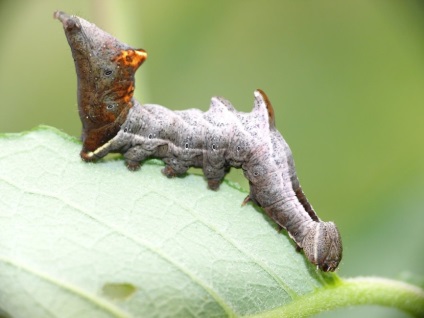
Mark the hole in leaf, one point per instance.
(118, 291)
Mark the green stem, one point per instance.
(354, 292)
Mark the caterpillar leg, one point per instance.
(100, 152)
(132, 165)
(246, 200)
(172, 171)
(169, 172)
(213, 184)
(249, 198)
(134, 156)
(88, 156)
(214, 176)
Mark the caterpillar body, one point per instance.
(215, 140)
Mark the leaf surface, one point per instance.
(96, 240)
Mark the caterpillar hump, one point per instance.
(215, 140)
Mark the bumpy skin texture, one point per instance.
(214, 140)
(222, 138)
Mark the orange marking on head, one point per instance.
(133, 58)
(128, 96)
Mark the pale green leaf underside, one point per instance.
(95, 240)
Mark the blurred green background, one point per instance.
(346, 79)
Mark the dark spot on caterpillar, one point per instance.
(214, 140)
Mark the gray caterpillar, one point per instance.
(215, 140)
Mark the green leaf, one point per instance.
(96, 240)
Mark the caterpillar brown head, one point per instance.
(105, 69)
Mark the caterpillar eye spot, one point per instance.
(150, 136)
(110, 106)
(107, 72)
(256, 174)
(186, 146)
(125, 130)
(238, 148)
(214, 147)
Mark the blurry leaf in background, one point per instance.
(346, 81)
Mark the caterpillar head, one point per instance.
(323, 246)
(105, 69)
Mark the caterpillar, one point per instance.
(215, 140)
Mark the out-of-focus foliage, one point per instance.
(346, 81)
